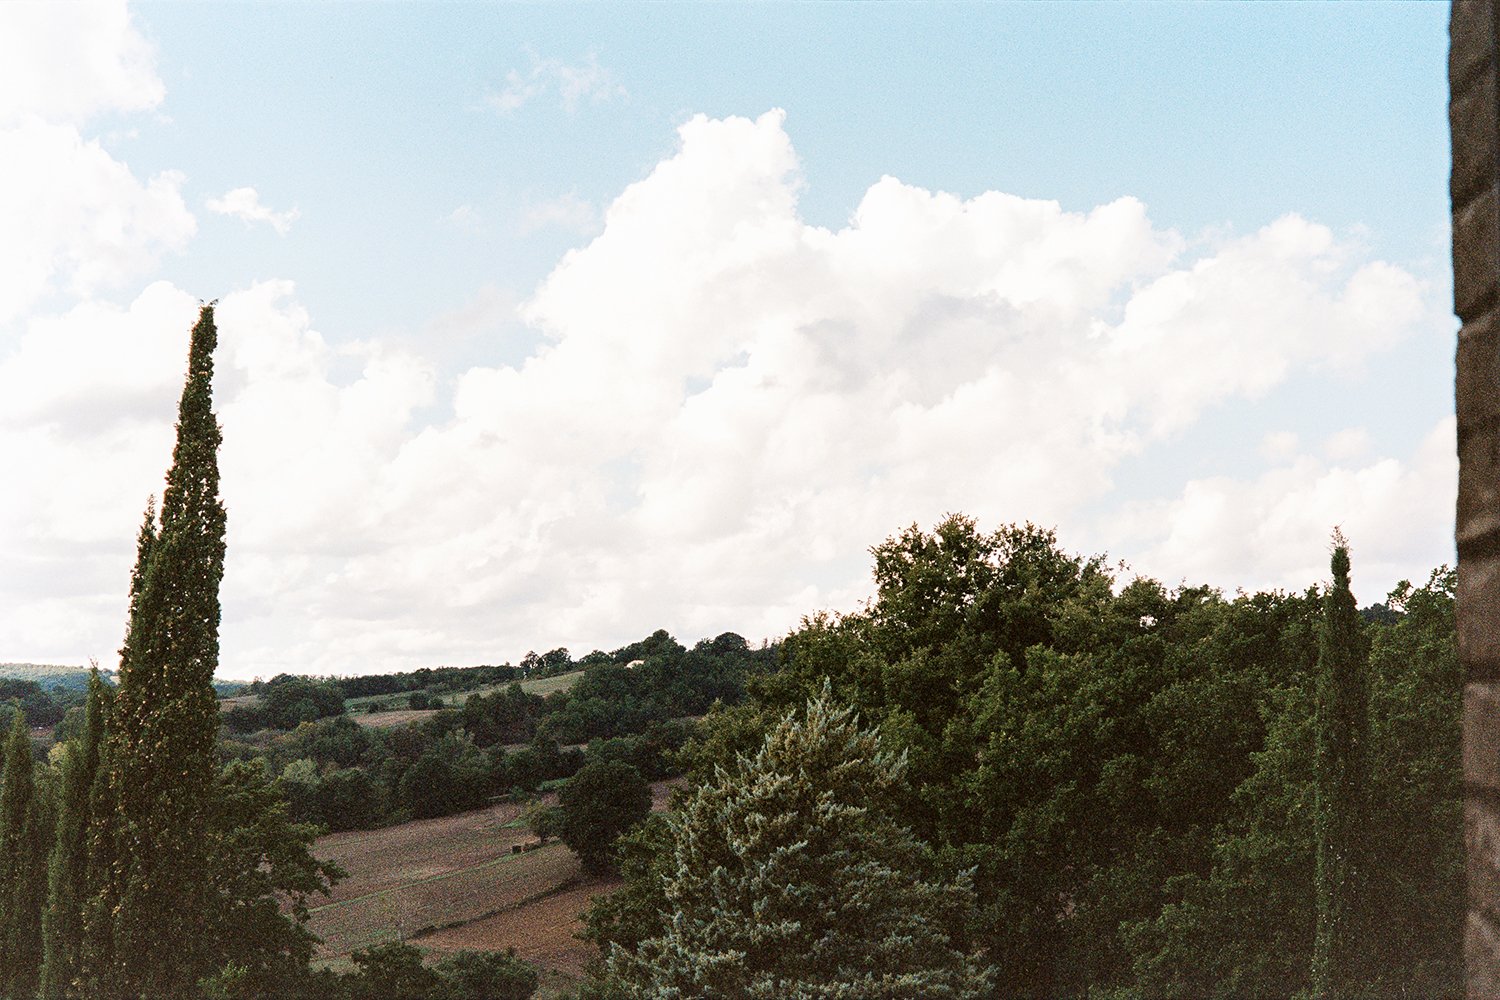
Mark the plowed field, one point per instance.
(453, 883)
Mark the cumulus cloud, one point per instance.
(243, 203)
(76, 219)
(66, 62)
(1273, 529)
(727, 405)
(573, 84)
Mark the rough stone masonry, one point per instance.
(1474, 117)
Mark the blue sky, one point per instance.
(556, 324)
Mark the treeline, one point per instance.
(631, 706)
(38, 707)
(1128, 792)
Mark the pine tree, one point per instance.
(1341, 816)
(67, 875)
(22, 867)
(789, 877)
(158, 758)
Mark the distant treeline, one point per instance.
(630, 705)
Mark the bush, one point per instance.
(485, 975)
(601, 802)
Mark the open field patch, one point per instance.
(454, 882)
(389, 720)
(542, 931)
(442, 898)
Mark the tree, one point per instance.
(392, 971)
(1342, 811)
(598, 804)
(158, 759)
(791, 877)
(67, 876)
(23, 866)
(262, 873)
(485, 975)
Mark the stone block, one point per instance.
(1482, 843)
(1482, 737)
(1479, 617)
(1478, 485)
(1476, 239)
(1471, 39)
(1477, 389)
(1472, 119)
(1481, 948)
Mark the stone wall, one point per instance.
(1474, 116)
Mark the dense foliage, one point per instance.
(1128, 771)
(791, 875)
(603, 800)
(501, 741)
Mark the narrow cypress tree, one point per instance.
(1341, 819)
(67, 872)
(22, 869)
(158, 760)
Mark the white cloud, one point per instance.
(76, 219)
(573, 84)
(463, 217)
(567, 211)
(1279, 446)
(243, 203)
(727, 407)
(66, 62)
(1273, 530)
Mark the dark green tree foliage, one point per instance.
(67, 877)
(23, 867)
(262, 873)
(391, 971)
(790, 876)
(484, 975)
(1416, 820)
(598, 804)
(1342, 814)
(159, 756)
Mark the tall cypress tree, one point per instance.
(67, 874)
(22, 868)
(158, 759)
(1341, 818)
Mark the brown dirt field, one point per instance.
(453, 882)
(383, 859)
(542, 931)
(453, 897)
(399, 717)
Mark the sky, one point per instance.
(553, 325)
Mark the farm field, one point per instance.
(453, 883)
(399, 717)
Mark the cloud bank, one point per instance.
(728, 406)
